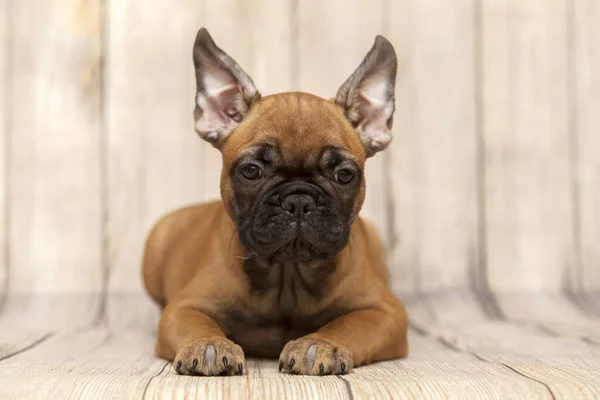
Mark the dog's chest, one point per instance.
(286, 287)
(287, 301)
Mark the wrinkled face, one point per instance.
(293, 163)
(293, 178)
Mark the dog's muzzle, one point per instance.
(295, 221)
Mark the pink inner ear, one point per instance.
(223, 95)
(373, 116)
(218, 105)
(374, 89)
(221, 89)
(226, 100)
(373, 109)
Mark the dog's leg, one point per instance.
(357, 338)
(196, 344)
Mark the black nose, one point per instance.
(299, 204)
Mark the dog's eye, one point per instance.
(251, 172)
(344, 176)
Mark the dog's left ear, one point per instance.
(224, 92)
(368, 96)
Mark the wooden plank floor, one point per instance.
(457, 351)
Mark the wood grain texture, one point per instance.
(455, 358)
(557, 371)
(586, 76)
(529, 220)
(85, 364)
(553, 314)
(4, 137)
(324, 64)
(262, 381)
(438, 371)
(55, 217)
(434, 154)
(153, 159)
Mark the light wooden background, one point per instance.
(492, 182)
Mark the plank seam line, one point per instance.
(152, 378)
(511, 369)
(30, 346)
(453, 347)
(552, 333)
(581, 302)
(479, 267)
(524, 376)
(348, 386)
(589, 341)
(102, 144)
(573, 130)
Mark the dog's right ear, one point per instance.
(224, 92)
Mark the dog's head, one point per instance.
(293, 163)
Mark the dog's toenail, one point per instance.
(210, 355)
(343, 367)
(311, 356)
(195, 363)
(178, 367)
(292, 362)
(280, 366)
(225, 361)
(321, 369)
(240, 369)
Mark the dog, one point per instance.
(283, 266)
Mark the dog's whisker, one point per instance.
(249, 256)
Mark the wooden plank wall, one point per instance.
(433, 158)
(527, 148)
(153, 160)
(492, 181)
(52, 111)
(585, 97)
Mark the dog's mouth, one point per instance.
(292, 244)
(299, 249)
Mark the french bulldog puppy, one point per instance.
(282, 266)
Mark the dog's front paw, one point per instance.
(210, 357)
(312, 356)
